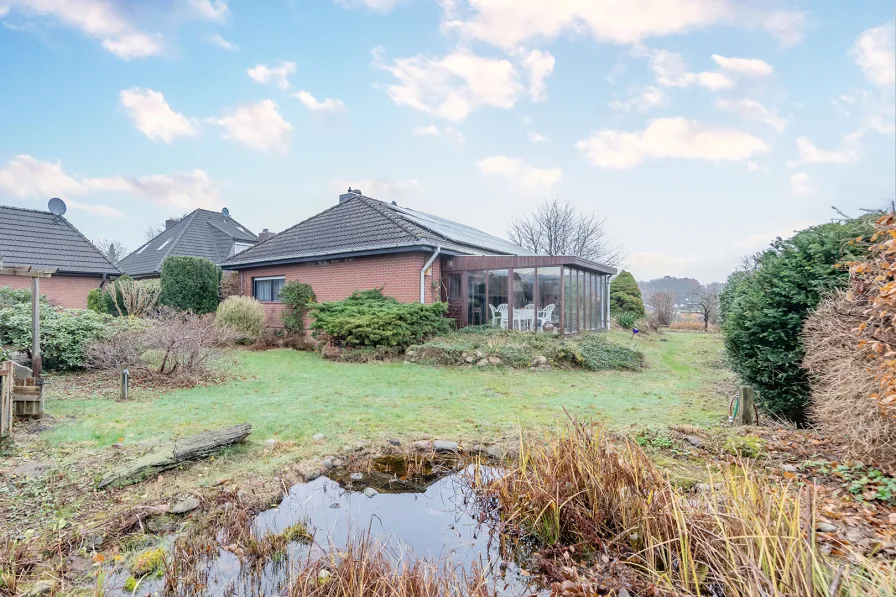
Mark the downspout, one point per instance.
(423, 274)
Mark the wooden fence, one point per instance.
(21, 395)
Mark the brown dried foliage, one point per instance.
(842, 382)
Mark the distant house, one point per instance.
(40, 240)
(362, 243)
(201, 233)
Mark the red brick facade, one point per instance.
(398, 274)
(61, 290)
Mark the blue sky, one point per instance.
(701, 129)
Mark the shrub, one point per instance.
(244, 315)
(112, 295)
(625, 296)
(65, 333)
(842, 406)
(11, 296)
(663, 304)
(764, 319)
(190, 284)
(627, 319)
(230, 285)
(370, 319)
(96, 302)
(297, 296)
(134, 298)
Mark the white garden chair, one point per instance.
(499, 315)
(544, 316)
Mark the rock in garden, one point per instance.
(622, 592)
(442, 445)
(539, 361)
(694, 440)
(494, 361)
(39, 589)
(370, 492)
(477, 449)
(423, 446)
(188, 504)
(356, 476)
(337, 462)
(319, 438)
(394, 442)
(495, 452)
(825, 527)
(703, 487)
(327, 463)
(270, 444)
(789, 468)
(470, 359)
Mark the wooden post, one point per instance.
(35, 327)
(747, 408)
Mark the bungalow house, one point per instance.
(32, 240)
(201, 233)
(363, 243)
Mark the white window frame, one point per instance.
(262, 279)
(239, 247)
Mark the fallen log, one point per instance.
(174, 453)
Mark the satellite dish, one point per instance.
(56, 206)
(225, 212)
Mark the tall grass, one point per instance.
(745, 537)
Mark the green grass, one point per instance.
(291, 395)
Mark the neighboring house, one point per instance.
(42, 241)
(201, 233)
(363, 243)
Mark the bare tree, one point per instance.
(708, 307)
(663, 304)
(558, 229)
(113, 250)
(152, 232)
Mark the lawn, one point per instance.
(290, 396)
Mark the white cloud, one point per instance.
(668, 138)
(530, 178)
(647, 98)
(27, 178)
(154, 117)
(538, 65)
(875, 53)
(750, 67)
(380, 188)
(810, 154)
(327, 105)
(278, 75)
(752, 166)
(4, 10)
(509, 23)
(210, 10)
(788, 27)
(753, 110)
(218, 40)
(257, 125)
(799, 183)
(432, 130)
(98, 19)
(453, 86)
(377, 5)
(537, 138)
(672, 71)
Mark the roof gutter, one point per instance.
(423, 274)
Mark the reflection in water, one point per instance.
(419, 510)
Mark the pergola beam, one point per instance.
(26, 271)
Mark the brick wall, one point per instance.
(61, 290)
(398, 274)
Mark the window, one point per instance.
(239, 247)
(476, 298)
(497, 298)
(162, 246)
(453, 286)
(267, 289)
(548, 299)
(524, 313)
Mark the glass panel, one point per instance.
(548, 316)
(567, 300)
(476, 298)
(267, 290)
(454, 286)
(595, 299)
(574, 299)
(524, 299)
(497, 298)
(587, 301)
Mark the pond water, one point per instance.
(424, 508)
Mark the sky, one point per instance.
(701, 129)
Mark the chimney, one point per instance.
(265, 235)
(350, 194)
(170, 222)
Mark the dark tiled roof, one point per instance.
(363, 224)
(42, 240)
(201, 233)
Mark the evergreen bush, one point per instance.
(190, 284)
(297, 296)
(625, 296)
(96, 302)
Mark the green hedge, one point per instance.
(297, 296)
(370, 319)
(764, 310)
(190, 284)
(11, 296)
(625, 296)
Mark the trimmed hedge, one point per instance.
(370, 319)
(765, 310)
(190, 284)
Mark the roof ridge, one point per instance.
(398, 220)
(191, 216)
(39, 211)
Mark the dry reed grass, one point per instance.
(842, 385)
(691, 325)
(745, 536)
